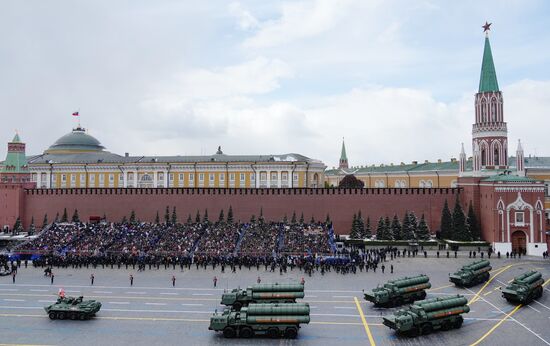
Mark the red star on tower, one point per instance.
(486, 27)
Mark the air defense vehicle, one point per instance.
(273, 320)
(263, 293)
(400, 291)
(72, 308)
(524, 288)
(429, 315)
(472, 274)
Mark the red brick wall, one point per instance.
(341, 204)
(12, 203)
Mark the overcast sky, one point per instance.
(395, 78)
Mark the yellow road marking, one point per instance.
(364, 320)
(496, 325)
(439, 288)
(486, 294)
(476, 296)
(546, 283)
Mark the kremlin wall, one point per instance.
(510, 195)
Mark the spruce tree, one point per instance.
(446, 228)
(205, 216)
(133, 217)
(387, 223)
(473, 224)
(56, 220)
(198, 217)
(368, 230)
(32, 228)
(253, 219)
(230, 215)
(104, 217)
(312, 221)
(396, 228)
(124, 220)
(189, 219)
(293, 219)
(360, 226)
(17, 227)
(353, 232)
(406, 227)
(174, 218)
(327, 219)
(261, 217)
(64, 218)
(221, 218)
(381, 230)
(302, 218)
(76, 218)
(45, 221)
(460, 228)
(167, 215)
(285, 219)
(423, 232)
(157, 218)
(413, 225)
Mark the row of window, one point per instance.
(381, 183)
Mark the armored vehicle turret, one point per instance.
(263, 293)
(472, 274)
(429, 315)
(400, 291)
(524, 288)
(73, 308)
(272, 320)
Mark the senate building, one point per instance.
(78, 160)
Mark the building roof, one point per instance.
(509, 178)
(16, 161)
(75, 141)
(404, 168)
(488, 79)
(107, 157)
(343, 156)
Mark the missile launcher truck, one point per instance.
(472, 274)
(429, 315)
(73, 308)
(524, 288)
(263, 293)
(400, 291)
(273, 320)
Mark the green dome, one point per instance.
(76, 141)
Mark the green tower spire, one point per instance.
(343, 156)
(488, 79)
(16, 161)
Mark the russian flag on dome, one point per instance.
(75, 114)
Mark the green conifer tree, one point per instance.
(423, 232)
(56, 220)
(460, 228)
(353, 231)
(133, 217)
(230, 215)
(368, 229)
(64, 218)
(221, 218)
(75, 217)
(406, 227)
(293, 219)
(312, 221)
(45, 221)
(253, 219)
(360, 226)
(382, 231)
(205, 216)
(157, 218)
(446, 227)
(167, 215)
(32, 227)
(473, 224)
(413, 225)
(396, 228)
(198, 217)
(174, 217)
(124, 220)
(302, 218)
(189, 219)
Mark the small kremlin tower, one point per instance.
(343, 164)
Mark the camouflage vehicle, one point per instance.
(73, 308)
(273, 320)
(400, 291)
(429, 315)
(472, 274)
(524, 288)
(263, 293)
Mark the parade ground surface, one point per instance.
(152, 312)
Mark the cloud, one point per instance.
(299, 20)
(245, 19)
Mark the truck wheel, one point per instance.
(273, 333)
(229, 332)
(61, 315)
(291, 333)
(445, 326)
(82, 317)
(237, 306)
(246, 332)
(73, 316)
(423, 295)
(458, 322)
(413, 332)
(427, 329)
(52, 315)
(538, 294)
